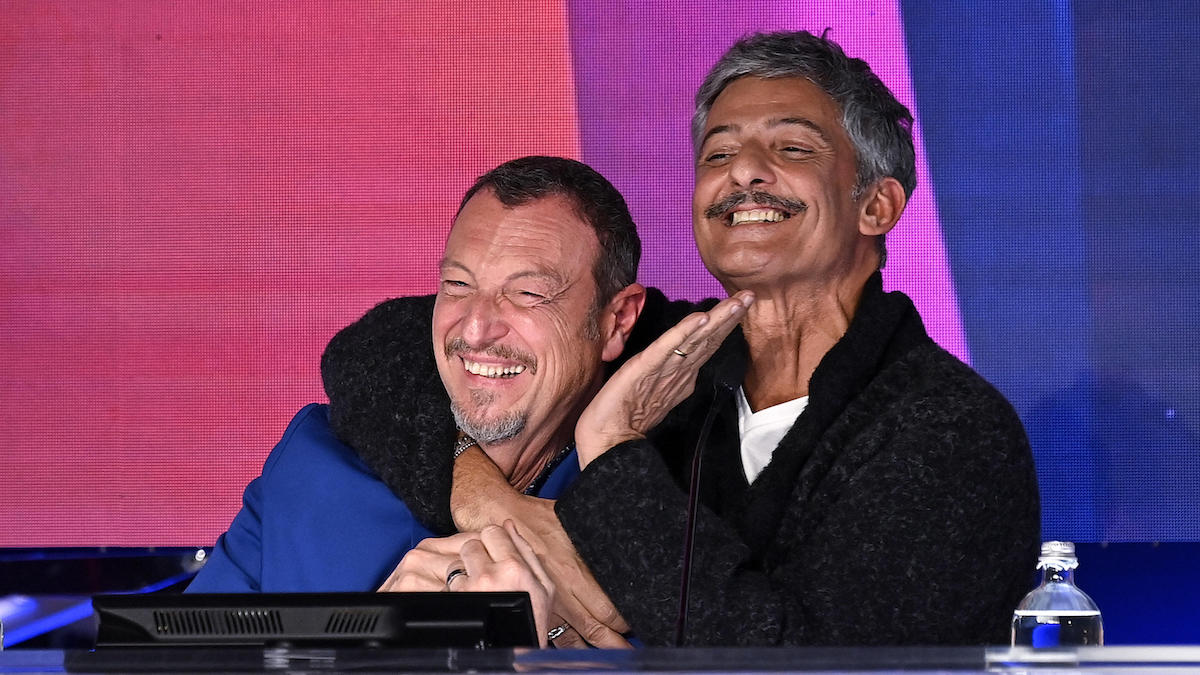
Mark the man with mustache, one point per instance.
(860, 485)
(863, 485)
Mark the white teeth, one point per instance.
(492, 371)
(757, 216)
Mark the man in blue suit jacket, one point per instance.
(537, 294)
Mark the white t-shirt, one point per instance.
(761, 431)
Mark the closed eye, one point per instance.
(455, 287)
(529, 298)
(717, 157)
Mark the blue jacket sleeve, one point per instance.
(317, 520)
(235, 564)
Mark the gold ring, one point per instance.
(679, 353)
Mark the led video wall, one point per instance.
(195, 196)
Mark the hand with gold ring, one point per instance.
(641, 393)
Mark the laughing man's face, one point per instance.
(775, 179)
(511, 322)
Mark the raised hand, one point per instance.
(641, 393)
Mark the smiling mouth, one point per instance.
(756, 216)
(492, 372)
(756, 206)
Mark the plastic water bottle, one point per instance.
(1057, 613)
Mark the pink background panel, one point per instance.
(194, 197)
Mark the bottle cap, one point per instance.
(1058, 555)
(1058, 549)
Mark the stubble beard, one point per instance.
(483, 429)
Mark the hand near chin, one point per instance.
(641, 393)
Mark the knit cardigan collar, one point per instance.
(885, 327)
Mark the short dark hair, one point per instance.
(879, 126)
(520, 181)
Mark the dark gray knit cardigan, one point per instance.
(901, 508)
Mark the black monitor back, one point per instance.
(426, 620)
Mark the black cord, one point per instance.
(689, 536)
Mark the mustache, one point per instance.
(458, 347)
(723, 205)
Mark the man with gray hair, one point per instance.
(879, 126)
(860, 485)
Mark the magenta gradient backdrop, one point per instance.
(194, 196)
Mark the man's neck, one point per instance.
(521, 463)
(788, 332)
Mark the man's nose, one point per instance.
(751, 166)
(484, 322)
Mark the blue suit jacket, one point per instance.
(318, 519)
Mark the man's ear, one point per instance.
(881, 207)
(617, 319)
